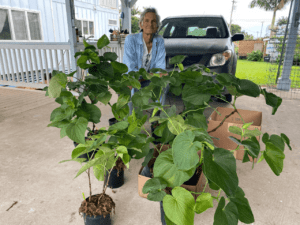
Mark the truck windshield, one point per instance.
(192, 27)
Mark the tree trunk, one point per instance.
(272, 24)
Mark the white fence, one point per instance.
(31, 64)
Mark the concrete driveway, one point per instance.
(46, 192)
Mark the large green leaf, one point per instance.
(93, 111)
(272, 100)
(197, 120)
(60, 114)
(220, 168)
(167, 136)
(118, 126)
(179, 206)
(102, 42)
(165, 168)
(252, 133)
(95, 161)
(226, 79)
(185, 151)
(252, 146)
(76, 130)
(169, 112)
(286, 140)
(122, 100)
(119, 67)
(247, 87)
(177, 59)
(156, 196)
(141, 98)
(99, 172)
(106, 69)
(194, 95)
(277, 141)
(203, 202)
(176, 125)
(153, 185)
(242, 204)
(111, 56)
(274, 157)
(191, 76)
(159, 130)
(235, 130)
(226, 216)
(57, 82)
(104, 97)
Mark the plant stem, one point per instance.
(222, 121)
(90, 185)
(104, 189)
(146, 131)
(170, 120)
(205, 185)
(192, 110)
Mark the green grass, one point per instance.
(264, 73)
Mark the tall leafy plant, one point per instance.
(126, 139)
(186, 137)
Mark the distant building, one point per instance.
(46, 21)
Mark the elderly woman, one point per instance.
(146, 49)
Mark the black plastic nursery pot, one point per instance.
(112, 121)
(96, 220)
(115, 180)
(86, 155)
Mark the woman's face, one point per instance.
(150, 24)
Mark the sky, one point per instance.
(249, 19)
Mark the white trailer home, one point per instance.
(34, 36)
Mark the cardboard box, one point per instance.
(195, 188)
(234, 120)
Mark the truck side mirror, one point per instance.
(237, 37)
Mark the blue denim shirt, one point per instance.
(133, 52)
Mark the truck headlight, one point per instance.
(220, 59)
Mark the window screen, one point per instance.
(19, 25)
(91, 26)
(34, 27)
(85, 27)
(78, 25)
(5, 33)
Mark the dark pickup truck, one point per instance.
(204, 39)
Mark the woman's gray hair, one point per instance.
(143, 16)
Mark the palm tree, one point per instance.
(270, 5)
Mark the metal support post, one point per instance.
(72, 34)
(284, 82)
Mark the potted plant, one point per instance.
(177, 165)
(72, 117)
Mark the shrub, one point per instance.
(255, 56)
(296, 60)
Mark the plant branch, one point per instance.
(222, 121)
(90, 185)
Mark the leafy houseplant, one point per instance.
(124, 141)
(177, 164)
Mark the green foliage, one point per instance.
(255, 56)
(186, 133)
